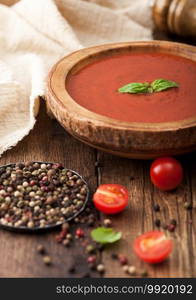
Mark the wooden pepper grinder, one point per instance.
(177, 16)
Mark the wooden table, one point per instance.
(48, 141)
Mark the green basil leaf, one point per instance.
(105, 235)
(157, 85)
(135, 88)
(162, 85)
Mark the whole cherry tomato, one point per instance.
(166, 173)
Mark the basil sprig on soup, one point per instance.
(157, 85)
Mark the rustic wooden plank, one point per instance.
(139, 216)
(130, 222)
(48, 141)
(19, 255)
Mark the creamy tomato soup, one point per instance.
(95, 87)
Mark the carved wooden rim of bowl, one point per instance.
(133, 140)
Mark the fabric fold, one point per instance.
(35, 34)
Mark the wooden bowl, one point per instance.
(132, 140)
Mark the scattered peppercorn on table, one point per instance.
(71, 252)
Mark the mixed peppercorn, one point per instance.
(91, 250)
(36, 195)
(39, 195)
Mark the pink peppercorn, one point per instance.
(79, 232)
(45, 178)
(56, 166)
(171, 227)
(91, 259)
(32, 182)
(61, 235)
(122, 259)
(44, 188)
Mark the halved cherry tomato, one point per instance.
(166, 173)
(110, 198)
(153, 246)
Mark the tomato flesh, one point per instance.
(153, 247)
(110, 198)
(166, 173)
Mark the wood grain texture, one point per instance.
(18, 257)
(127, 139)
(139, 217)
(160, 11)
(177, 16)
(49, 142)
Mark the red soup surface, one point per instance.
(95, 87)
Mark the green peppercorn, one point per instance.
(144, 273)
(90, 249)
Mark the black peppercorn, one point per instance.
(72, 269)
(156, 207)
(173, 222)
(114, 256)
(157, 223)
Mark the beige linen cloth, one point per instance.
(34, 34)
